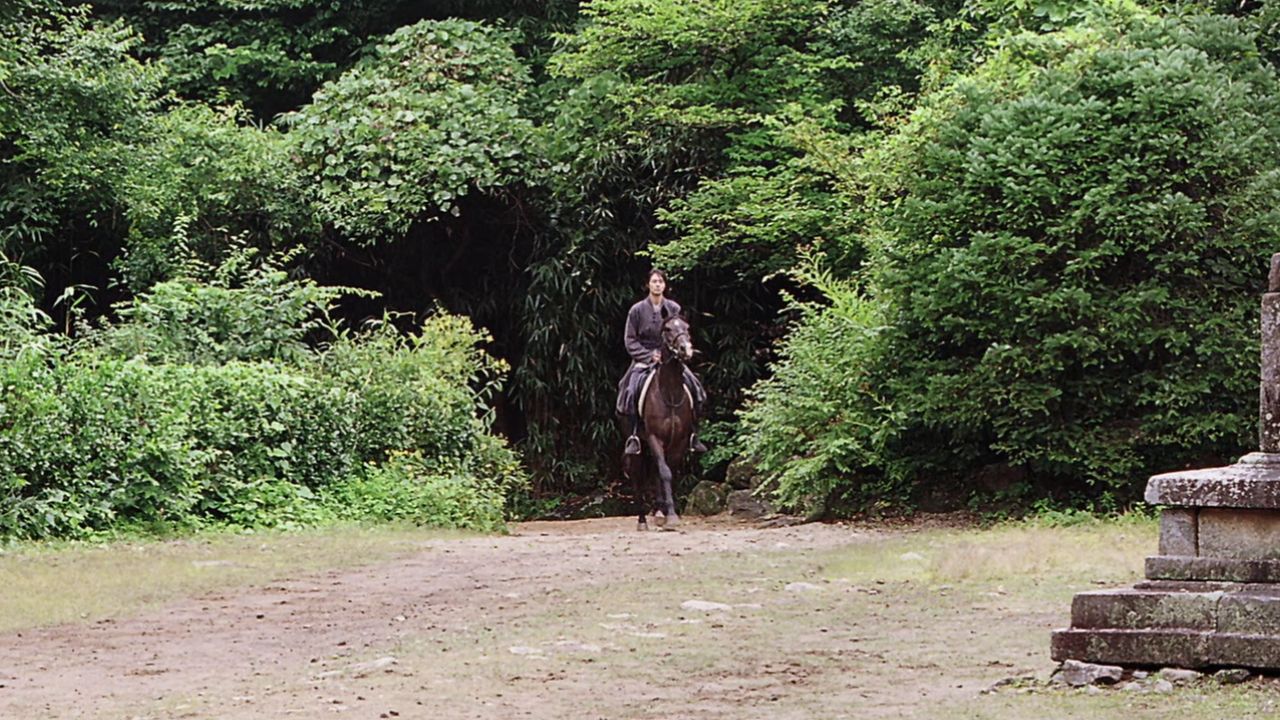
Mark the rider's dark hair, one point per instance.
(655, 271)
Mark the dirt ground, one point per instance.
(585, 619)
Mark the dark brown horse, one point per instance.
(666, 416)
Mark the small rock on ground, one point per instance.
(1180, 675)
(801, 587)
(705, 606)
(1078, 674)
(1231, 676)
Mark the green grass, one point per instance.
(1031, 560)
(52, 583)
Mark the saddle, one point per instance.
(649, 375)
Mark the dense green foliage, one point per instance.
(270, 55)
(201, 183)
(924, 244)
(72, 94)
(432, 114)
(146, 423)
(1067, 247)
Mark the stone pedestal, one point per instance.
(1212, 595)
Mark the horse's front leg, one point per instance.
(666, 499)
(633, 469)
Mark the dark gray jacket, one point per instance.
(643, 334)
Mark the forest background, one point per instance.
(273, 262)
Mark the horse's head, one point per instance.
(675, 335)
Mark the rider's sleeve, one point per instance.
(630, 337)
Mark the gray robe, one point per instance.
(643, 335)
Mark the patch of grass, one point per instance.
(52, 583)
(1016, 555)
(1204, 701)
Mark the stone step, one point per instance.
(1183, 624)
(1253, 482)
(1169, 648)
(1195, 607)
(1212, 569)
(1133, 609)
(1174, 648)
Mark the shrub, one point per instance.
(818, 427)
(416, 391)
(408, 487)
(244, 309)
(433, 113)
(1069, 248)
(201, 183)
(1075, 261)
(239, 423)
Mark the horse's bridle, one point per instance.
(672, 347)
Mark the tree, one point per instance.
(73, 98)
(431, 115)
(1065, 264)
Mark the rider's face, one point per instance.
(657, 285)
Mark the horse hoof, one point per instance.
(660, 520)
(673, 522)
(642, 527)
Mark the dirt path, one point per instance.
(557, 620)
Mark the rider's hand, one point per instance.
(657, 356)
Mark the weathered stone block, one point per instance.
(1250, 651)
(744, 504)
(1239, 534)
(1213, 569)
(1269, 387)
(1253, 482)
(742, 474)
(1181, 648)
(1132, 609)
(1178, 531)
(707, 498)
(1250, 613)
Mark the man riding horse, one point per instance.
(643, 339)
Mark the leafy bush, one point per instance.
(433, 113)
(421, 391)
(237, 422)
(407, 487)
(246, 308)
(819, 428)
(1071, 243)
(202, 183)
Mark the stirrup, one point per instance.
(633, 446)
